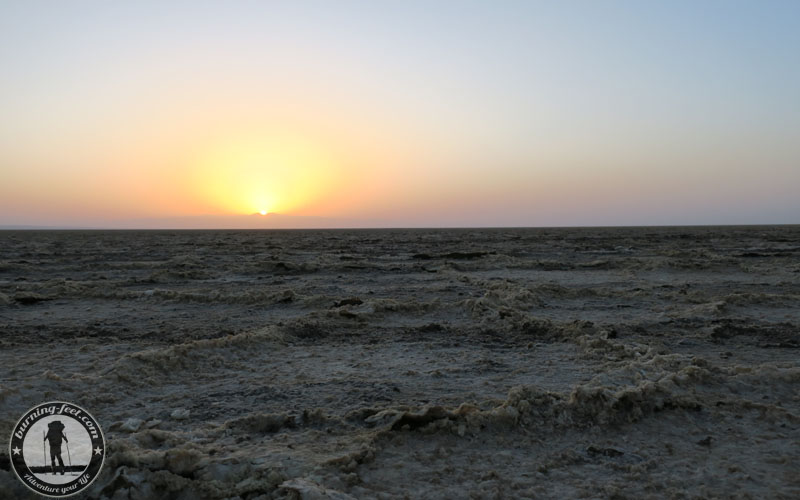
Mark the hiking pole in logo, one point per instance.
(69, 457)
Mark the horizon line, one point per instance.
(31, 227)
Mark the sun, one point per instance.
(264, 173)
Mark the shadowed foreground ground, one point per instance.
(625, 363)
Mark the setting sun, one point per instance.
(263, 173)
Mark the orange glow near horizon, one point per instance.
(274, 173)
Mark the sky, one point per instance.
(407, 114)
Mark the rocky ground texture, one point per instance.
(494, 363)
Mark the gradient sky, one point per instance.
(407, 113)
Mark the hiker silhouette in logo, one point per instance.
(55, 433)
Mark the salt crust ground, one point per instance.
(551, 363)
